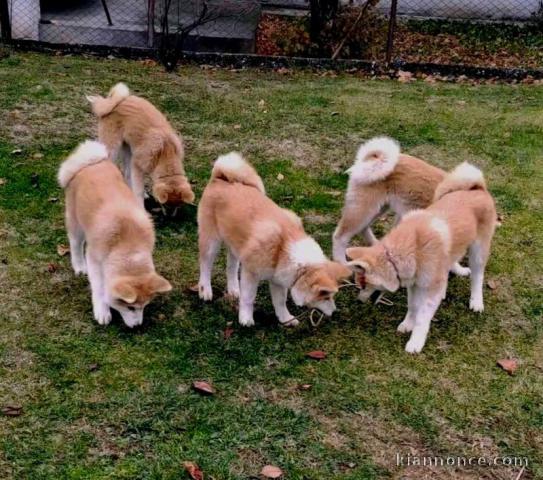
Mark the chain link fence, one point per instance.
(492, 33)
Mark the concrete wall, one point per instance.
(25, 19)
(473, 9)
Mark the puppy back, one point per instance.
(464, 177)
(87, 153)
(233, 168)
(104, 106)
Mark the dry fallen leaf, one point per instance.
(305, 386)
(270, 471)
(492, 284)
(17, 151)
(405, 77)
(193, 288)
(12, 410)
(316, 355)
(508, 364)
(193, 470)
(228, 331)
(52, 267)
(2, 181)
(237, 126)
(280, 176)
(63, 250)
(93, 367)
(203, 387)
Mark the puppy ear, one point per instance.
(188, 194)
(160, 285)
(355, 252)
(160, 192)
(359, 266)
(339, 271)
(124, 290)
(92, 98)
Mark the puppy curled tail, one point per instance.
(464, 177)
(104, 106)
(234, 169)
(375, 160)
(87, 153)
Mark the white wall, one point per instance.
(479, 9)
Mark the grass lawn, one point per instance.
(111, 403)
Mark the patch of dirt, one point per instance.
(302, 153)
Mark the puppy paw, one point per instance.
(80, 269)
(232, 294)
(406, 326)
(476, 304)
(290, 323)
(246, 321)
(102, 313)
(414, 345)
(461, 271)
(205, 292)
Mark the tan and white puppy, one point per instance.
(421, 249)
(134, 131)
(268, 241)
(381, 178)
(104, 214)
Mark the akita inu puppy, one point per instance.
(269, 241)
(421, 249)
(104, 214)
(134, 130)
(382, 178)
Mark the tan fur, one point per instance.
(259, 234)
(103, 214)
(411, 185)
(419, 252)
(155, 149)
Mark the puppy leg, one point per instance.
(354, 219)
(459, 270)
(409, 321)
(101, 310)
(426, 302)
(279, 299)
(77, 245)
(248, 289)
(137, 183)
(478, 256)
(209, 247)
(232, 274)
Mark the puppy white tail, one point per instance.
(234, 169)
(104, 106)
(375, 160)
(463, 178)
(87, 153)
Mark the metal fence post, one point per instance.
(5, 23)
(151, 23)
(391, 30)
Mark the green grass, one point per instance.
(135, 417)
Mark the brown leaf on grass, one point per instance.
(63, 250)
(228, 331)
(148, 62)
(52, 267)
(316, 355)
(93, 367)
(12, 410)
(508, 364)
(237, 126)
(203, 388)
(280, 176)
(3, 181)
(492, 284)
(270, 471)
(193, 470)
(405, 77)
(305, 386)
(193, 288)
